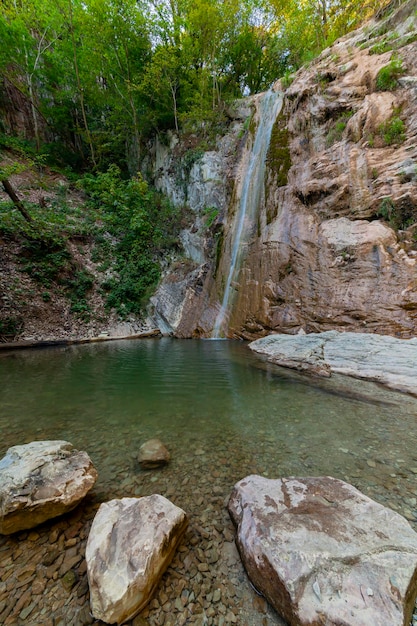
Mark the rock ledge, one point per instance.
(380, 358)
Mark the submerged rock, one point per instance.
(131, 543)
(321, 552)
(380, 358)
(41, 480)
(153, 454)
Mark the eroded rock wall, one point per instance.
(335, 240)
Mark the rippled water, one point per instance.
(111, 396)
(221, 411)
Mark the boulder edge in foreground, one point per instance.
(321, 552)
(131, 543)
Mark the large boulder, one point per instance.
(131, 543)
(41, 480)
(323, 553)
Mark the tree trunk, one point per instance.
(79, 86)
(15, 199)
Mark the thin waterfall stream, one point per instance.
(251, 196)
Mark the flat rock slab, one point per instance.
(131, 543)
(380, 358)
(153, 454)
(322, 553)
(42, 480)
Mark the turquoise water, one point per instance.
(223, 414)
(216, 398)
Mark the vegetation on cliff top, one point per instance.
(94, 78)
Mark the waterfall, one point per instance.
(251, 195)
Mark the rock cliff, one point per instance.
(334, 241)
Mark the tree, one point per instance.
(28, 29)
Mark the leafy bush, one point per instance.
(78, 286)
(386, 209)
(399, 216)
(287, 79)
(10, 327)
(211, 213)
(141, 226)
(387, 77)
(44, 260)
(336, 131)
(393, 130)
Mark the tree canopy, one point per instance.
(99, 76)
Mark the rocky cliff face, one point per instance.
(335, 238)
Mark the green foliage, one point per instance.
(46, 296)
(45, 261)
(191, 157)
(287, 78)
(246, 126)
(387, 77)
(10, 326)
(210, 213)
(389, 42)
(142, 226)
(393, 130)
(386, 208)
(399, 217)
(381, 47)
(323, 78)
(278, 157)
(99, 77)
(337, 128)
(78, 285)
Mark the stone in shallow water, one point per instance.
(381, 358)
(41, 480)
(321, 552)
(131, 543)
(153, 454)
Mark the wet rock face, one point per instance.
(323, 553)
(41, 480)
(336, 247)
(334, 243)
(131, 543)
(153, 454)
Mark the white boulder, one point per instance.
(131, 543)
(41, 480)
(321, 552)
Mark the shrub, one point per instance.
(386, 209)
(210, 213)
(10, 327)
(387, 77)
(44, 261)
(142, 226)
(287, 79)
(336, 131)
(393, 130)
